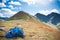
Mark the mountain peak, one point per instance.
(55, 17)
(21, 15)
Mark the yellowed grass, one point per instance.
(33, 30)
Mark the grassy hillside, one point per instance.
(58, 26)
(33, 30)
(32, 27)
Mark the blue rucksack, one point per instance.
(15, 32)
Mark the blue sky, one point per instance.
(10, 7)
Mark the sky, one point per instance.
(10, 7)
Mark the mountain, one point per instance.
(21, 15)
(54, 18)
(3, 18)
(41, 17)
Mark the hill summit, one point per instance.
(21, 15)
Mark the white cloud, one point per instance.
(7, 12)
(4, 1)
(11, 6)
(1, 15)
(46, 12)
(2, 5)
(14, 8)
(55, 10)
(29, 1)
(43, 2)
(15, 3)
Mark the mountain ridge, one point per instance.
(3, 18)
(53, 17)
